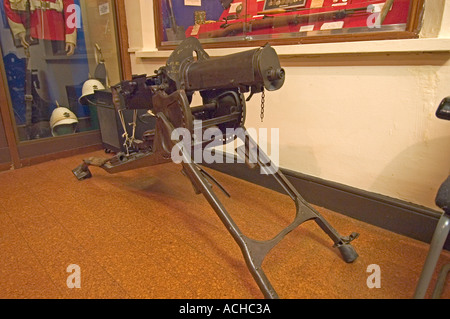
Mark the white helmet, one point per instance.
(63, 121)
(88, 89)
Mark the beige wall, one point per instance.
(364, 120)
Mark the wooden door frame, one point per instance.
(7, 120)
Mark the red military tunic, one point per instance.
(48, 19)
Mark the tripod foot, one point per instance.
(82, 172)
(348, 253)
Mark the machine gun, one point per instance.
(222, 83)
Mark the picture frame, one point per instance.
(242, 23)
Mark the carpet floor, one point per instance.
(145, 234)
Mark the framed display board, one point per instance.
(222, 23)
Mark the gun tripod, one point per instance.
(254, 251)
(221, 83)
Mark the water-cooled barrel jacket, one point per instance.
(49, 19)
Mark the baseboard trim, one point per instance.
(4, 155)
(62, 154)
(392, 214)
(5, 166)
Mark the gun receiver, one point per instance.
(222, 83)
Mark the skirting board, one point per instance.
(4, 155)
(392, 214)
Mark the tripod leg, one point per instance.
(253, 151)
(347, 251)
(254, 251)
(244, 243)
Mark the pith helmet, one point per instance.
(63, 121)
(88, 89)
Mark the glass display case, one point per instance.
(50, 49)
(220, 23)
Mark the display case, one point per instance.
(52, 52)
(221, 23)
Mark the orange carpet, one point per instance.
(145, 234)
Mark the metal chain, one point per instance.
(263, 101)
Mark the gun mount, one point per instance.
(221, 82)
